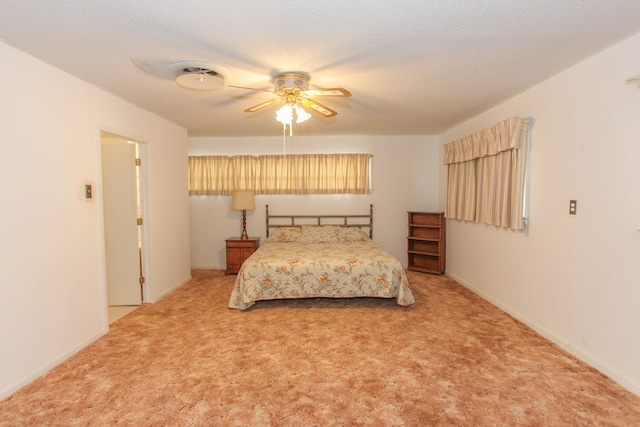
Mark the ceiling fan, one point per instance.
(292, 88)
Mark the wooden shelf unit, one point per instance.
(426, 242)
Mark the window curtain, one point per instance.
(281, 174)
(209, 175)
(243, 173)
(278, 175)
(486, 175)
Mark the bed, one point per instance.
(319, 256)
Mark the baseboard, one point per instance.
(208, 267)
(585, 357)
(32, 376)
(171, 289)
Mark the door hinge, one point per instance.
(139, 221)
(138, 162)
(141, 280)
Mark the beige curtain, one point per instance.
(281, 174)
(461, 191)
(486, 173)
(210, 175)
(278, 175)
(243, 173)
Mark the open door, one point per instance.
(120, 204)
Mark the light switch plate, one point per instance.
(88, 191)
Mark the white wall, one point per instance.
(576, 279)
(405, 177)
(52, 290)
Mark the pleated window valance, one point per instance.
(280, 174)
(503, 136)
(486, 175)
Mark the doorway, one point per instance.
(122, 197)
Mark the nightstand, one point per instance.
(238, 251)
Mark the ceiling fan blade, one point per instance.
(335, 91)
(318, 108)
(261, 105)
(250, 88)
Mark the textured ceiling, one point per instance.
(413, 66)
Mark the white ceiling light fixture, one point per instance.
(285, 116)
(301, 115)
(200, 79)
(198, 75)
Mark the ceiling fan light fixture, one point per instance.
(301, 115)
(285, 114)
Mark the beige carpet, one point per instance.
(451, 359)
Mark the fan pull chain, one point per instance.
(284, 139)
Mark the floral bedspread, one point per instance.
(283, 270)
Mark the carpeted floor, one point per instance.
(450, 359)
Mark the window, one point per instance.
(486, 175)
(280, 174)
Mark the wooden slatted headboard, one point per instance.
(348, 220)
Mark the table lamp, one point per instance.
(242, 200)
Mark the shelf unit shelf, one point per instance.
(426, 242)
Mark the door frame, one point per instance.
(144, 228)
(144, 212)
